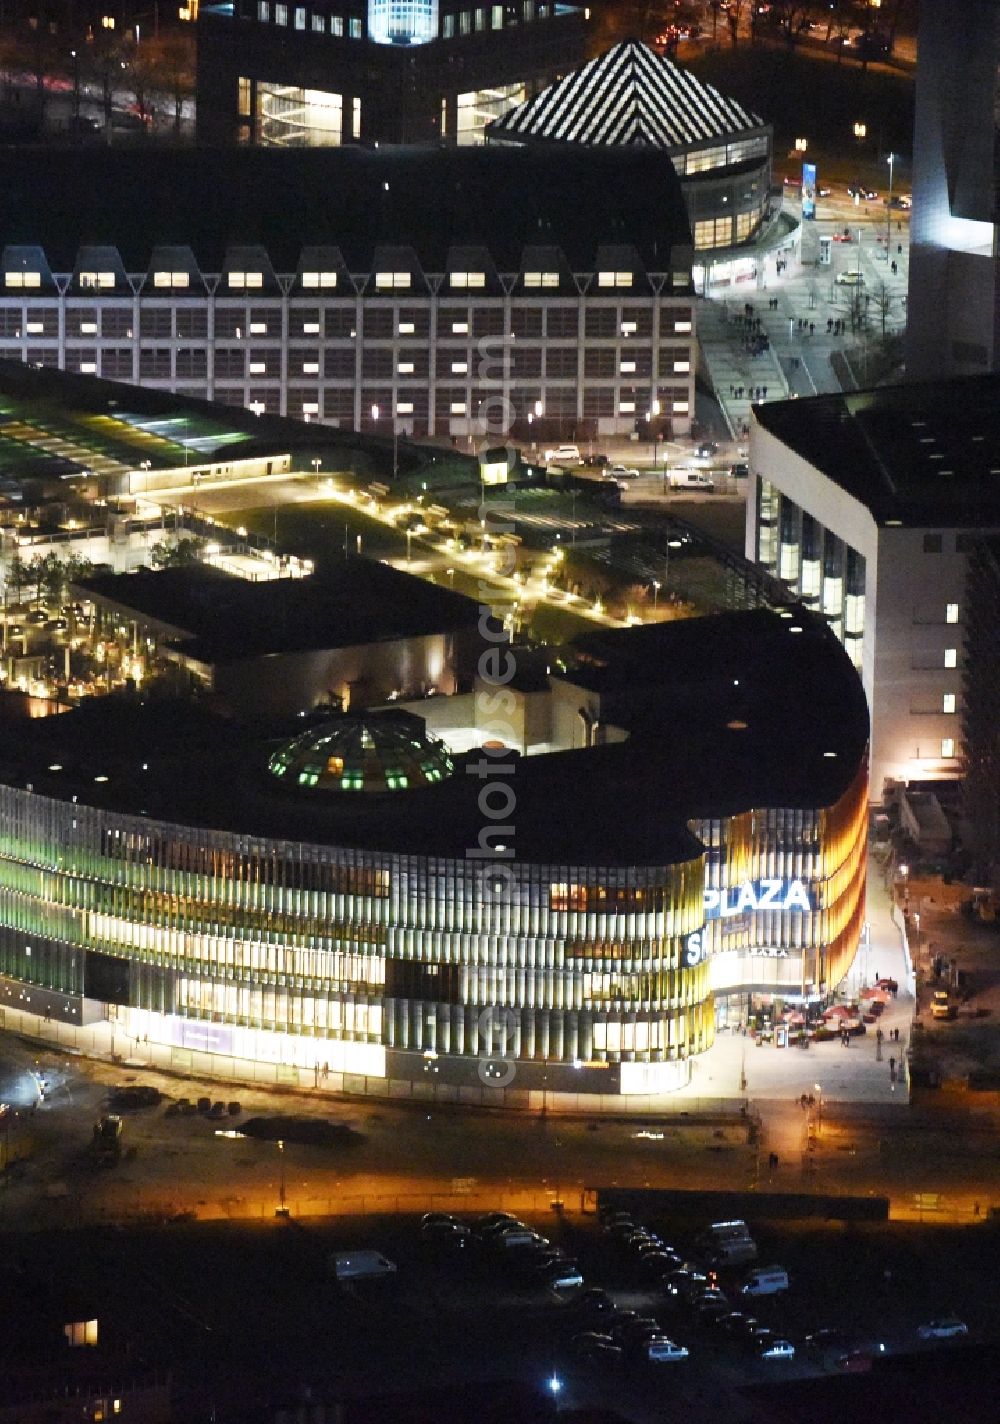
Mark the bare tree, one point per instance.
(883, 301)
(735, 13)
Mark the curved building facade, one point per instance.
(505, 924)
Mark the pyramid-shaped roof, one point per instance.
(628, 96)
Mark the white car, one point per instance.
(623, 472)
(659, 1349)
(564, 455)
(777, 1350)
(949, 1327)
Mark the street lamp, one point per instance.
(316, 462)
(282, 1209)
(888, 209)
(656, 592)
(801, 144)
(860, 131)
(654, 414)
(819, 1109)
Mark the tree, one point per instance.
(883, 301)
(734, 15)
(170, 62)
(168, 555)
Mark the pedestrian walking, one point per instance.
(892, 1067)
(879, 1035)
(763, 392)
(812, 328)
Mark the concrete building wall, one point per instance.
(952, 324)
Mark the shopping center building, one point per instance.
(429, 291)
(349, 892)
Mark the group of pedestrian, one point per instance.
(806, 327)
(754, 393)
(893, 1035)
(772, 303)
(835, 326)
(780, 265)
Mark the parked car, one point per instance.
(945, 1327)
(860, 191)
(593, 1303)
(706, 449)
(844, 236)
(564, 455)
(590, 1345)
(660, 1349)
(691, 479)
(777, 1349)
(853, 278)
(595, 462)
(900, 202)
(739, 470)
(855, 1362)
(623, 472)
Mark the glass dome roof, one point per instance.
(384, 751)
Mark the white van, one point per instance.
(360, 1265)
(765, 1280)
(691, 479)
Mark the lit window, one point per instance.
(300, 18)
(258, 368)
(319, 279)
(92, 280)
(541, 279)
(310, 408)
(405, 368)
(947, 746)
(281, 14)
(356, 32)
(628, 328)
(951, 657)
(467, 279)
(680, 407)
(951, 613)
(682, 326)
(263, 11)
(627, 407)
(88, 328)
(628, 368)
(460, 328)
(459, 368)
(310, 328)
(680, 367)
(23, 279)
(258, 328)
(319, 23)
(171, 279)
(239, 280)
(448, 27)
(88, 368)
(404, 408)
(337, 26)
(948, 702)
(405, 328)
(310, 368)
(34, 328)
(496, 17)
(458, 407)
(614, 279)
(392, 280)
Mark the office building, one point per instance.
(443, 292)
(328, 72)
(867, 506)
(632, 97)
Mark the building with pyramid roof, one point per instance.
(632, 97)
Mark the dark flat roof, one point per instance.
(226, 618)
(621, 804)
(926, 454)
(352, 198)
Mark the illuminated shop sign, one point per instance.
(694, 948)
(757, 895)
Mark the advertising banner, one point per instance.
(808, 190)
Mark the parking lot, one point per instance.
(215, 1299)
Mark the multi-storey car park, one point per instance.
(439, 292)
(348, 893)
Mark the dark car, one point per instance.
(595, 462)
(141, 1095)
(593, 1346)
(593, 1303)
(706, 449)
(859, 190)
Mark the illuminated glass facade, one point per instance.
(402, 22)
(356, 959)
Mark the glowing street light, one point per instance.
(860, 130)
(656, 592)
(801, 144)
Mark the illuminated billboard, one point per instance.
(808, 190)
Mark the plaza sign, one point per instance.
(757, 895)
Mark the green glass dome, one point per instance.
(384, 751)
